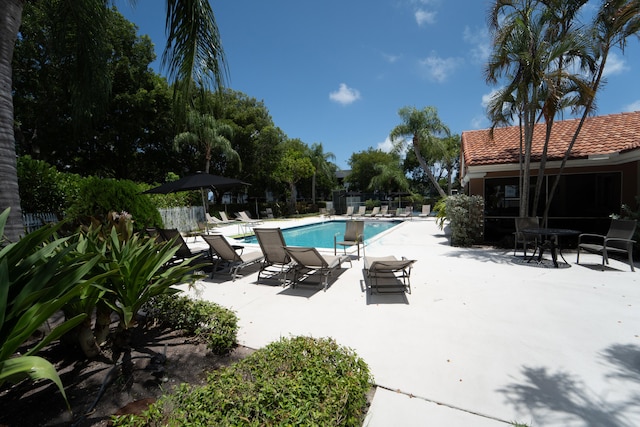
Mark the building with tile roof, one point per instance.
(601, 174)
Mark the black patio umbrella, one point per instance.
(198, 181)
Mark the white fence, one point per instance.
(183, 218)
(33, 221)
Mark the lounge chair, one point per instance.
(272, 244)
(225, 218)
(617, 240)
(361, 211)
(309, 260)
(388, 273)
(212, 220)
(353, 235)
(155, 233)
(244, 217)
(426, 211)
(526, 239)
(183, 252)
(406, 212)
(349, 211)
(227, 254)
(326, 212)
(374, 212)
(384, 212)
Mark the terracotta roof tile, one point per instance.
(599, 135)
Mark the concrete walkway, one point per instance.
(482, 340)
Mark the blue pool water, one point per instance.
(321, 235)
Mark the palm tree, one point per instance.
(422, 126)
(450, 158)
(615, 22)
(193, 57)
(552, 65)
(390, 177)
(205, 131)
(516, 39)
(321, 162)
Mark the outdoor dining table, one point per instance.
(551, 241)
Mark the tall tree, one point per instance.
(450, 158)
(204, 131)
(133, 137)
(255, 138)
(193, 55)
(321, 163)
(363, 168)
(294, 165)
(389, 177)
(421, 126)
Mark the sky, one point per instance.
(336, 72)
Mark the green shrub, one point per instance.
(216, 325)
(440, 208)
(296, 381)
(465, 214)
(370, 203)
(97, 197)
(44, 189)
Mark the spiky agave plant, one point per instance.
(37, 277)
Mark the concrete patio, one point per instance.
(483, 339)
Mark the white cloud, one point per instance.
(438, 68)
(615, 65)
(426, 2)
(386, 145)
(345, 95)
(486, 98)
(479, 40)
(391, 58)
(634, 106)
(479, 122)
(425, 17)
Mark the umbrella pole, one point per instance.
(204, 207)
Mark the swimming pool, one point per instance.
(321, 235)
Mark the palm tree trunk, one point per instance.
(10, 19)
(425, 167)
(313, 188)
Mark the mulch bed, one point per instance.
(161, 360)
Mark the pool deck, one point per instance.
(483, 339)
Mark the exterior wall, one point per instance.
(630, 178)
(498, 226)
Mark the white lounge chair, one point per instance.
(361, 211)
(384, 212)
(374, 212)
(406, 212)
(426, 211)
(244, 217)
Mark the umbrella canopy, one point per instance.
(196, 182)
